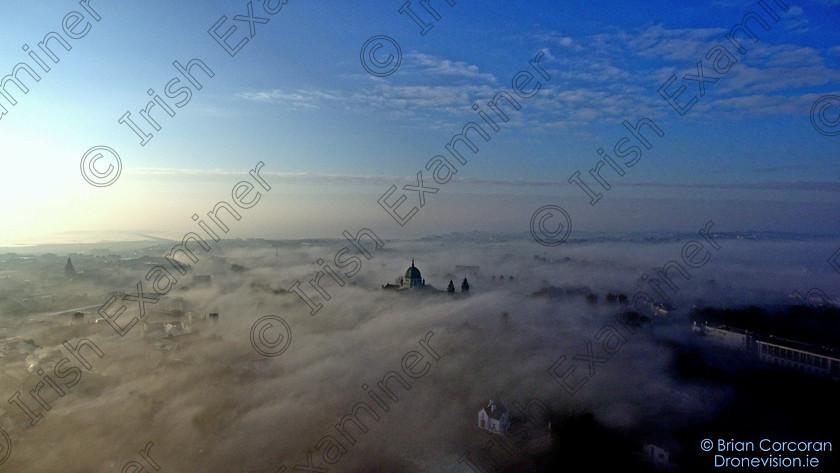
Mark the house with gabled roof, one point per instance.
(494, 417)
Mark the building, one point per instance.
(494, 417)
(69, 270)
(413, 281)
(412, 278)
(814, 359)
(166, 329)
(799, 356)
(659, 457)
(729, 337)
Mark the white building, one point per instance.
(814, 359)
(732, 338)
(798, 356)
(494, 417)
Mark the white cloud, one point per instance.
(435, 65)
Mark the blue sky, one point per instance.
(334, 137)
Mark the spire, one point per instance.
(412, 262)
(69, 270)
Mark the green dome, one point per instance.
(412, 272)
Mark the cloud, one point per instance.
(408, 101)
(771, 68)
(619, 71)
(210, 403)
(676, 45)
(557, 38)
(310, 178)
(607, 76)
(430, 64)
(296, 99)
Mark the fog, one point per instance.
(210, 402)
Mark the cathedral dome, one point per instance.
(412, 272)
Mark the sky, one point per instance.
(334, 138)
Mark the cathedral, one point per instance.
(69, 270)
(413, 281)
(412, 278)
